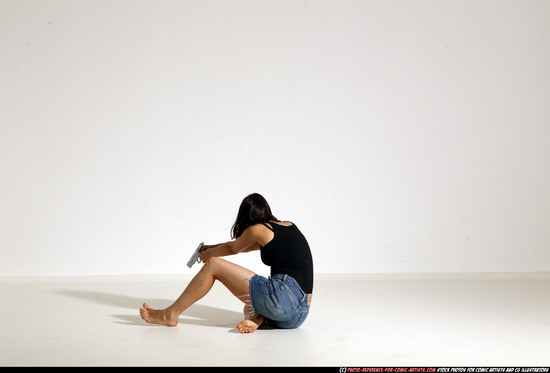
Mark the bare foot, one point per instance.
(161, 317)
(251, 323)
(247, 326)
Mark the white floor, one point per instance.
(355, 320)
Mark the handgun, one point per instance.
(195, 257)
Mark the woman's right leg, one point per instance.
(233, 276)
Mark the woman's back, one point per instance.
(289, 253)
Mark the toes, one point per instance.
(245, 327)
(144, 314)
(240, 326)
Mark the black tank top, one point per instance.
(288, 253)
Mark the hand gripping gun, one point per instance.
(195, 257)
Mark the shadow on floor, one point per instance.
(197, 314)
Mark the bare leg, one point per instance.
(234, 277)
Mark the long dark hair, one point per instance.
(254, 209)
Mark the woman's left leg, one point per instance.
(233, 276)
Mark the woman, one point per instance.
(282, 300)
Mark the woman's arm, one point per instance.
(222, 249)
(250, 240)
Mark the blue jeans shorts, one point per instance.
(280, 300)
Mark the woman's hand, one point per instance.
(205, 254)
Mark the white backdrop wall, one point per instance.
(400, 136)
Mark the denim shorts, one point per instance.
(280, 300)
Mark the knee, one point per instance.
(213, 261)
(213, 264)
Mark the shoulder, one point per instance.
(256, 229)
(259, 233)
